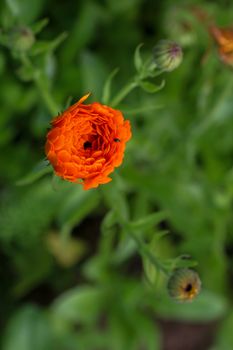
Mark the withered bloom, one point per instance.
(87, 142)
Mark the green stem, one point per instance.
(144, 250)
(197, 131)
(41, 86)
(132, 85)
(45, 94)
(123, 93)
(214, 114)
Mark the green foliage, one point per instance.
(225, 336)
(205, 308)
(88, 269)
(80, 305)
(152, 88)
(28, 329)
(21, 214)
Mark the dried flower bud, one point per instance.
(184, 285)
(21, 39)
(167, 55)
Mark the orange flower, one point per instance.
(87, 142)
(224, 39)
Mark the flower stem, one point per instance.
(45, 94)
(123, 93)
(41, 86)
(215, 114)
(144, 250)
(133, 84)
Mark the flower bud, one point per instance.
(184, 285)
(167, 55)
(21, 39)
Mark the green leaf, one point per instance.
(14, 6)
(33, 266)
(150, 87)
(117, 201)
(28, 329)
(183, 261)
(206, 307)
(24, 10)
(161, 249)
(40, 170)
(41, 47)
(39, 26)
(89, 339)
(107, 86)
(108, 221)
(26, 73)
(148, 221)
(96, 269)
(124, 329)
(224, 339)
(149, 336)
(29, 212)
(125, 249)
(76, 207)
(138, 63)
(81, 304)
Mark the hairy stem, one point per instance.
(42, 86)
(145, 251)
(45, 94)
(123, 93)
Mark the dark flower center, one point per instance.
(87, 145)
(188, 288)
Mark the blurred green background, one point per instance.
(72, 277)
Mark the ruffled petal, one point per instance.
(87, 142)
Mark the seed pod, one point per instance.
(167, 55)
(184, 285)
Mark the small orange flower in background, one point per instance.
(224, 39)
(87, 142)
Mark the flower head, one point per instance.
(168, 55)
(224, 39)
(87, 142)
(184, 284)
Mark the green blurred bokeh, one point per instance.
(71, 277)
